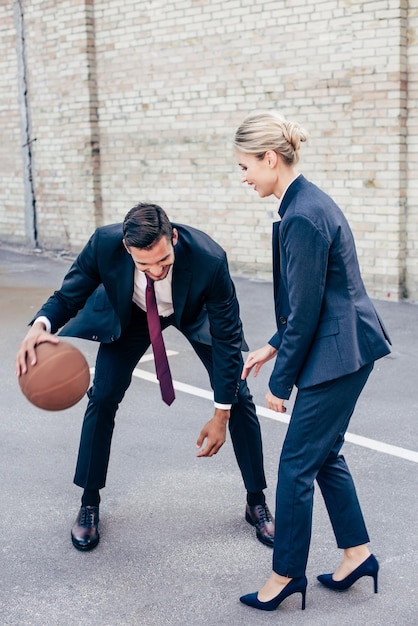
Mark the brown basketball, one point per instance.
(59, 379)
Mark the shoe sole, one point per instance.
(264, 541)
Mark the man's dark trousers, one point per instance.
(113, 374)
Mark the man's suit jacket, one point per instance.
(327, 325)
(95, 299)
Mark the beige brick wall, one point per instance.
(378, 118)
(411, 268)
(160, 87)
(59, 86)
(12, 215)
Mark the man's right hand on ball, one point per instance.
(27, 353)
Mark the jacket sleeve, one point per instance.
(226, 332)
(79, 283)
(306, 254)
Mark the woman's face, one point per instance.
(258, 173)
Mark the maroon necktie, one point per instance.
(160, 356)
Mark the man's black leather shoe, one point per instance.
(260, 517)
(85, 531)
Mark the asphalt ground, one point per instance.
(175, 549)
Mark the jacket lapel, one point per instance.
(292, 190)
(182, 276)
(276, 260)
(124, 289)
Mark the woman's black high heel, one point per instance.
(369, 567)
(296, 585)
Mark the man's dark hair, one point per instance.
(145, 224)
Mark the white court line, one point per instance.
(150, 357)
(358, 440)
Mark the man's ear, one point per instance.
(175, 236)
(126, 247)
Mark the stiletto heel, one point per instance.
(303, 592)
(296, 585)
(369, 567)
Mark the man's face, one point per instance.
(156, 261)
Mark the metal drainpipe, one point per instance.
(27, 140)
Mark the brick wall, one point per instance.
(57, 51)
(12, 213)
(134, 102)
(411, 157)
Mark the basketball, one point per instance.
(59, 379)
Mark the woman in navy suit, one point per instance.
(328, 337)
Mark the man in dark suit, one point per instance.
(103, 298)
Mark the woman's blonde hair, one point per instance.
(268, 130)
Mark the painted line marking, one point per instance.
(358, 440)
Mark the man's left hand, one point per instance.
(214, 432)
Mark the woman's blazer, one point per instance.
(327, 326)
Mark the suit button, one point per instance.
(95, 337)
(283, 320)
(112, 338)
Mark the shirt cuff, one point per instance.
(224, 407)
(45, 321)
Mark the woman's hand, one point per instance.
(257, 359)
(274, 403)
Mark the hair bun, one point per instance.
(294, 134)
(268, 130)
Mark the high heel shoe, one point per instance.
(369, 567)
(296, 585)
